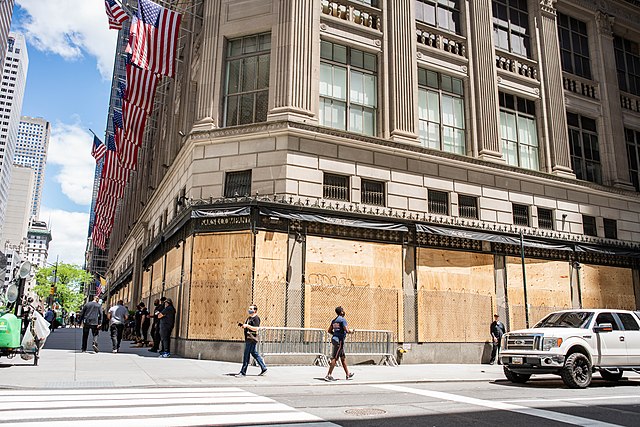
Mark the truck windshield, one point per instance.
(570, 319)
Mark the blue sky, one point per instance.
(68, 82)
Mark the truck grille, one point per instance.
(522, 342)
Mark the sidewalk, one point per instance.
(62, 365)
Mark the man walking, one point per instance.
(118, 314)
(250, 327)
(167, 320)
(91, 317)
(497, 331)
(50, 316)
(339, 331)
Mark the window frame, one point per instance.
(350, 70)
(550, 220)
(456, 15)
(569, 52)
(427, 86)
(632, 140)
(521, 214)
(627, 51)
(580, 131)
(510, 28)
(258, 116)
(371, 201)
(610, 228)
(594, 226)
(520, 109)
(432, 204)
(228, 185)
(473, 208)
(325, 185)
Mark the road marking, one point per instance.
(502, 406)
(571, 399)
(152, 406)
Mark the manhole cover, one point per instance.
(364, 412)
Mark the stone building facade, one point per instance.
(394, 157)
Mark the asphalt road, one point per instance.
(540, 402)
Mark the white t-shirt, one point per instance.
(118, 313)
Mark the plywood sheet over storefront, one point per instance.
(220, 285)
(363, 277)
(607, 287)
(548, 289)
(456, 294)
(173, 268)
(183, 309)
(156, 278)
(146, 286)
(270, 288)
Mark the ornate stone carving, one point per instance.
(548, 6)
(605, 23)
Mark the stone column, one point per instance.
(294, 95)
(553, 95)
(403, 66)
(574, 280)
(206, 111)
(502, 302)
(409, 286)
(295, 275)
(136, 275)
(613, 151)
(485, 76)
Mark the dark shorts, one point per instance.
(338, 349)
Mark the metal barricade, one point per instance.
(277, 341)
(368, 342)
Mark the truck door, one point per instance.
(631, 337)
(611, 345)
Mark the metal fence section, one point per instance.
(369, 342)
(282, 341)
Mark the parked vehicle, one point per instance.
(574, 344)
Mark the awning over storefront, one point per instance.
(333, 220)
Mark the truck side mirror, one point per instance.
(603, 327)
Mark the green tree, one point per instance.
(69, 280)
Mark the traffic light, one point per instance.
(52, 290)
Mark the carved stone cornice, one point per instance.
(548, 6)
(604, 23)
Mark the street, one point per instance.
(134, 387)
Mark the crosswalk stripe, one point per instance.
(135, 407)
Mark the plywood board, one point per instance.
(186, 288)
(270, 271)
(146, 284)
(220, 285)
(607, 287)
(548, 289)
(456, 295)
(157, 276)
(363, 277)
(173, 268)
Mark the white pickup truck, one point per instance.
(574, 344)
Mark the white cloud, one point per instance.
(69, 235)
(71, 29)
(70, 148)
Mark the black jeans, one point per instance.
(165, 338)
(251, 350)
(495, 351)
(155, 336)
(116, 335)
(145, 332)
(85, 335)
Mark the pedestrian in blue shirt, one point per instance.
(339, 331)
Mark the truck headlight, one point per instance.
(551, 342)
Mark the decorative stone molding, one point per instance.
(442, 42)
(604, 22)
(358, 15)
(548, 6)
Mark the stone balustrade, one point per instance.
(442, 42)
(358, 14)
(516, 66)
(630, 102)
(580, 86)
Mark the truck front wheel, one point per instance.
(577, 371)
(515, 377)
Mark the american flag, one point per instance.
(99, 239)
(122, 89)
(118, 127)
(127, 154)
(98, 148)
(111, 188)
(153, 38)
(135, 119)
(112, 169)
(142, 84)
(115, 13)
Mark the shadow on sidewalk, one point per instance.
(71, 339)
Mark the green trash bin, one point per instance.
(10, 327)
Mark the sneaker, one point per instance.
(95, 347)
(240, 375)
(350, 376)
(165, 355)
(263, 372)
(114, 351)
(329, 378)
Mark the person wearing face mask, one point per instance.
(250, 327)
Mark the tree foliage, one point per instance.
(69, 279)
